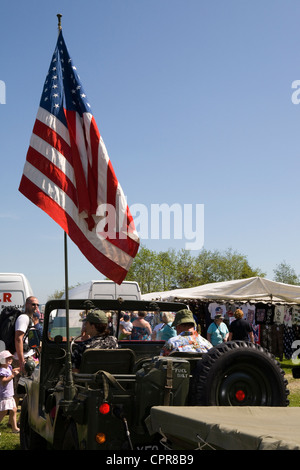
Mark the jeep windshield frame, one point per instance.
(79, 308)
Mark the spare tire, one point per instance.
(238, 373)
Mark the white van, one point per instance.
(128, 290)
(14, 290)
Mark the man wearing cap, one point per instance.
(99, 336)
(187, 339)
(217, 331)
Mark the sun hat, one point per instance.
(219, 316)
(4, 355)
(183, 316)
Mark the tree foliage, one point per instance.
(169, 269)
(166, 270)
(283, 272)
(57, 294)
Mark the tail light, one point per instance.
(100, 438)
(104, 408)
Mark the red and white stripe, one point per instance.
(69, 175)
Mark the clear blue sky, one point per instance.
(193, 100)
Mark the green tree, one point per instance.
(57, 294)
(233, 265)
(144, 270)
(166, 267)
(283, 272)
(215, 266)
(186, 275)
(207, 266)
(169, 269)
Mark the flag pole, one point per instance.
(69, 390)
(59, 22)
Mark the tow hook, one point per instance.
(119, 413)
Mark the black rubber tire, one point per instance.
(29, 439)
(238, 373)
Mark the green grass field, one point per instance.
(8, 440)
(293, 384)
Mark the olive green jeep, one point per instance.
(106, 404)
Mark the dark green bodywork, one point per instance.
(61, 409)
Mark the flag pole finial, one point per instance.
(59, 21)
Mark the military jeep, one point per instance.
(106, 404)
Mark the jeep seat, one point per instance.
(114, 361)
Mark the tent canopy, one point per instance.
(253, 289)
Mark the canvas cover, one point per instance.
(229, 428)
(255, 289)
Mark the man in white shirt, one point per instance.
(21, 326)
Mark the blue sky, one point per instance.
(193, 100)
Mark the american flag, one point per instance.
(69, 175)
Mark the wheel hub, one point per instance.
(243, 389)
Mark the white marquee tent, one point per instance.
(253, 289)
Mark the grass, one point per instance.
(10, 441)
(293, 384)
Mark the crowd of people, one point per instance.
(179, 333)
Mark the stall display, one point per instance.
(272, 308)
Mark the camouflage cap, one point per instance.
(96, 316)
(183, 316)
